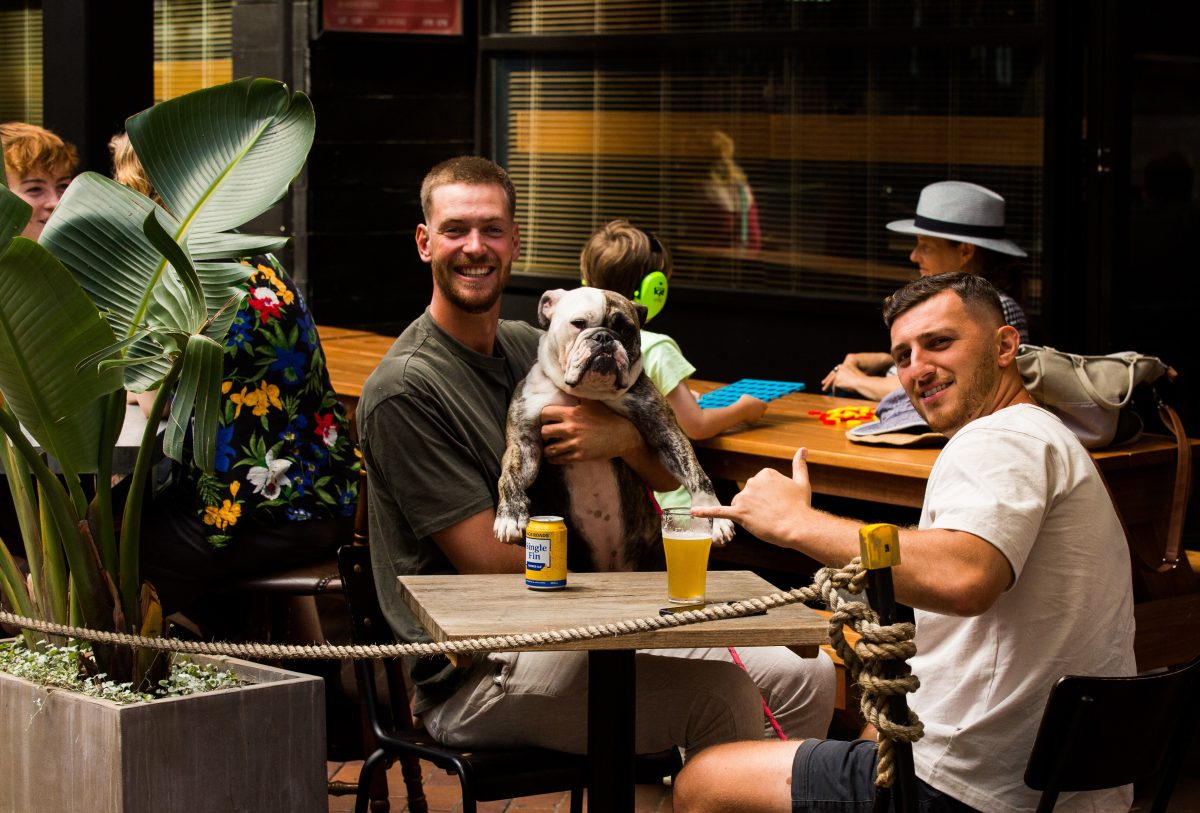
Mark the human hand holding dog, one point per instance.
(592, 431)
(586, 431)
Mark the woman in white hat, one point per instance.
(959, 227)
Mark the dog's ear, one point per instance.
(546, 306)
(641, 310)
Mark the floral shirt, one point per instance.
(284, 452)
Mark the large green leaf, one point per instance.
(14, 214)
(223, 155)
(47, 324)
(96, 231)
(224, 245)
(218, 157)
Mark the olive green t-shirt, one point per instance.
(431, 426)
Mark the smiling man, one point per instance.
(38, 167)
(1019, 574)
(432, 420)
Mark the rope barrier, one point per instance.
(877, 645)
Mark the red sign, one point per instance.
(394, 16)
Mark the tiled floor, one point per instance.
(443, 795)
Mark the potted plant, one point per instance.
(122, 294)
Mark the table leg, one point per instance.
(611, 722)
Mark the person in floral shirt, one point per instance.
(285, 484)
(286, 476)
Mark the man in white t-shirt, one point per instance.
(1019, 574)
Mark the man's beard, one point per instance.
(445, 278)
(974, 397)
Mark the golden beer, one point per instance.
(546, 553)
(687, 564)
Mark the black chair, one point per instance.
(1101, 733)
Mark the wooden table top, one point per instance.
(456, 607)
(787, 425)
(351, 356)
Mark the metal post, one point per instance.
(879, 547)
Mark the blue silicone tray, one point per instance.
(759, 388)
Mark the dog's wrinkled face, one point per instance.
(592, 347)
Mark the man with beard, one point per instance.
(432, 420)
(1019, 574)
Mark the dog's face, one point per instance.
(592, 347)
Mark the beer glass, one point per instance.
(686, 541)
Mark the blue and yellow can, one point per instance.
(546, 553)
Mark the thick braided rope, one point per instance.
(866, 659)
(877, 644)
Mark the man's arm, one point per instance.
(471, 546)
(943, 571)
(592, 431)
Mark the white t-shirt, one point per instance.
(1020, 480)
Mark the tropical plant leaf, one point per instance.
(100, 355)
(96, 231)
(48, 323)
(223, 155)
(178, 297)
(224, 245)
(14, 215)
(199, 391)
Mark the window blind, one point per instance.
(773, 170)
(21, 62)
(613, 16)
(193, 46)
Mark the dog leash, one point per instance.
(766, 709)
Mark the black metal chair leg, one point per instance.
(363, 798)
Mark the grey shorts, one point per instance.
(833, 776)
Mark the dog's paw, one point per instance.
(723, 530)
(509, 527)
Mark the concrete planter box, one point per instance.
(256, 748)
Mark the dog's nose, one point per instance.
(604, 339)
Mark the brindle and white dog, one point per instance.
(592, 349)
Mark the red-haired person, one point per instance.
(38, 166)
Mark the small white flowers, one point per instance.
(269, 479)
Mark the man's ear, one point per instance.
(1008, 341)
(642, 310)
(516, 241)
(423, 243)
(966, 253)
(546, 306)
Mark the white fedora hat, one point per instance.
(965, 212)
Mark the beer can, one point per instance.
(546, 553)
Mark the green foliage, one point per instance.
(72, 668)
(123, 293)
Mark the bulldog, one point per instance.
(592, 349)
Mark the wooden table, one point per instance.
(457, 607)
(351, 356)
(886, 474)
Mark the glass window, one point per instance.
(769, 163)
(21, 62)
(193, 46)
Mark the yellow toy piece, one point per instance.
(879, 545)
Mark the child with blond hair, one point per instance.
(622, 258)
